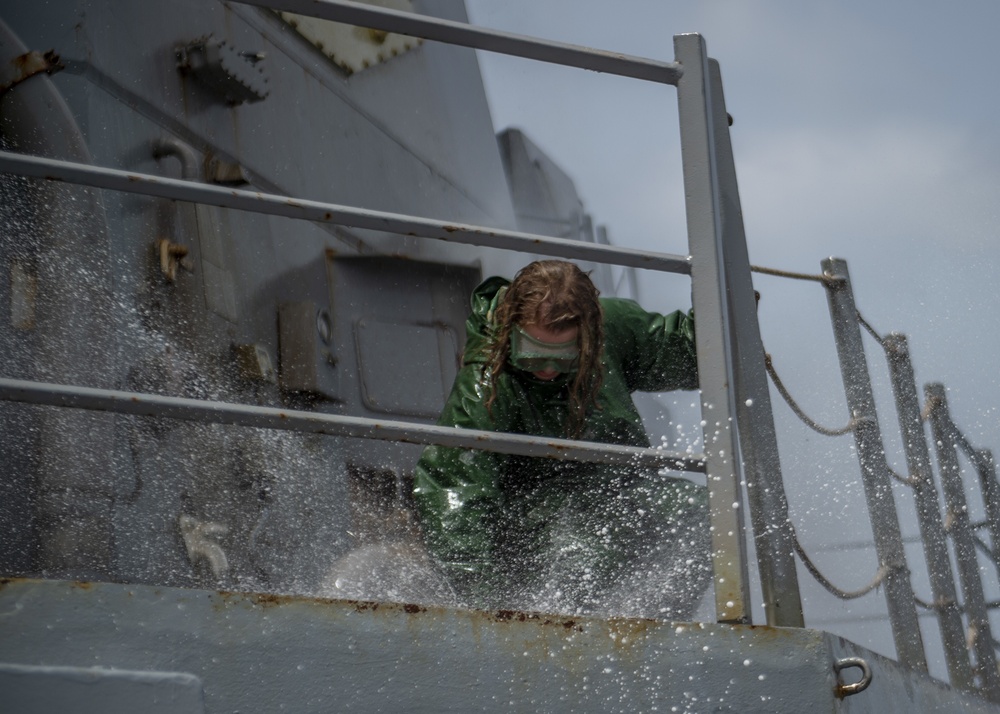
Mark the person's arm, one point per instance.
(656, 351)
(457, 496)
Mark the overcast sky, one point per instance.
(865, 130)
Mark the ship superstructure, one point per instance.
(239, 248)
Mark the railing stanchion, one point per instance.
(773, 535)
(987, 469)
(714, 343)
(965, 546)
(932, 532)
(874, 469)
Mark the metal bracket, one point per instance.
(28, 65)
(172, 256)
(234, 75)
(225, 173)
(199, 540)
(255, 364)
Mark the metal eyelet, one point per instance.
(846, 690)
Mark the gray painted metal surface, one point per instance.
(264, 653)
(714, 340)
(874, 469)
(758, 439)
(89, 495)
(987, 469)
(290, 207)
(980, 634)
(41, 689)
(932, 530)
(196, 410)
(53, 325)
(255, 513)
(457, 33)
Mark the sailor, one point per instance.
(545, 356)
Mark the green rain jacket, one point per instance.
(485, 515)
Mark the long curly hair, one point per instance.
(555, 295)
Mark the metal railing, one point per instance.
(968, 643)
(199, 410)
(740, 443)
(735, 397)
(334, 214)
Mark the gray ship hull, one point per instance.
(101, 647)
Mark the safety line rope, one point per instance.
(908, 480)
(829, 280)
(987, 551)
(871, 330)
(937, 605)
(786, 395)
(826, 583)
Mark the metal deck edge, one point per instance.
(270, 653)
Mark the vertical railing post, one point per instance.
(965, 547)
(987, 469)
(874, 469)
(935, 540)
(773, 535)
(715, 353)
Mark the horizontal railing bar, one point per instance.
(196, 410)
(460, 33)
(277, 205)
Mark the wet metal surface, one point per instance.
(276, 205)
(264, 653)
(714, 340)
(97, 690)
(26, 66)
(260, 652)
(458, 33)
(331, 424)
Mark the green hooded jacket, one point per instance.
(486, 517)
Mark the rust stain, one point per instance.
(81, 585)
(561, 627)
(24, 61)
(263, 600)
(35, 62)
(767, 632)
(508, 615)
(364, 605)
(629, 630)
(533, 617)
(268, 600)
(31, 63)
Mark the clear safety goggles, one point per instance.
(533, 355)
